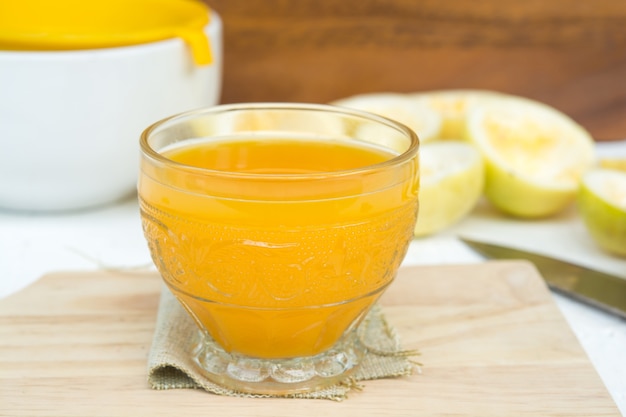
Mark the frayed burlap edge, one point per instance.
(171, 364)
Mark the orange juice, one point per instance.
(277, 245)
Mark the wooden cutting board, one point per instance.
(493, 343)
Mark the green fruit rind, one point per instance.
(605, 221)
(448, 196)
(446, 209)
(517, 197)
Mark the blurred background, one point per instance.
(570, 54)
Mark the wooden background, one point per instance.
(570, 54)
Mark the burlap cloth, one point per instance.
(171, 366)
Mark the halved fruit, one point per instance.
(454, 106)
(270, 119)
(451, 182)
(422, 119)
(535, 156)
(602, 205)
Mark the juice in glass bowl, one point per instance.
(277, 241)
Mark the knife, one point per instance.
(598, 289)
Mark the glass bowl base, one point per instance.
(278, 376)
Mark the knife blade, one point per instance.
(598, 289)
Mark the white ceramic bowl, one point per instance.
(70, 121)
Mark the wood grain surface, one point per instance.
(570, 54)
(493, 343)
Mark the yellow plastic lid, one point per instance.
(49, 25)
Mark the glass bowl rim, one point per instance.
(412, 150)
